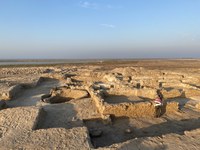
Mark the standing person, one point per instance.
(158, 103)
(159, 99)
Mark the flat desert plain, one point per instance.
(101, 105)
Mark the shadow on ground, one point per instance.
(121, 130)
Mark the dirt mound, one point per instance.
(127, 71)
(73, 94)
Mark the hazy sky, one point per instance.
(99, 28)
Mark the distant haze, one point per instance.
(74, 29)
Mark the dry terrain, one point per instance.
(102, 105)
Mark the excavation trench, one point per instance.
(123, 128)
(63, 94)
(59, 116)
(117, 99)
(31, 96)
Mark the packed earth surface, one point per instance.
(101, 105)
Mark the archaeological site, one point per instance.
(102, 105)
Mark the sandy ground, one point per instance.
(84, 123)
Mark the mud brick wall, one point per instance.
(142, 109)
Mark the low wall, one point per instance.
(97, 98)
(129, 109)
(142, 109)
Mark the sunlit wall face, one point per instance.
(99, 29)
